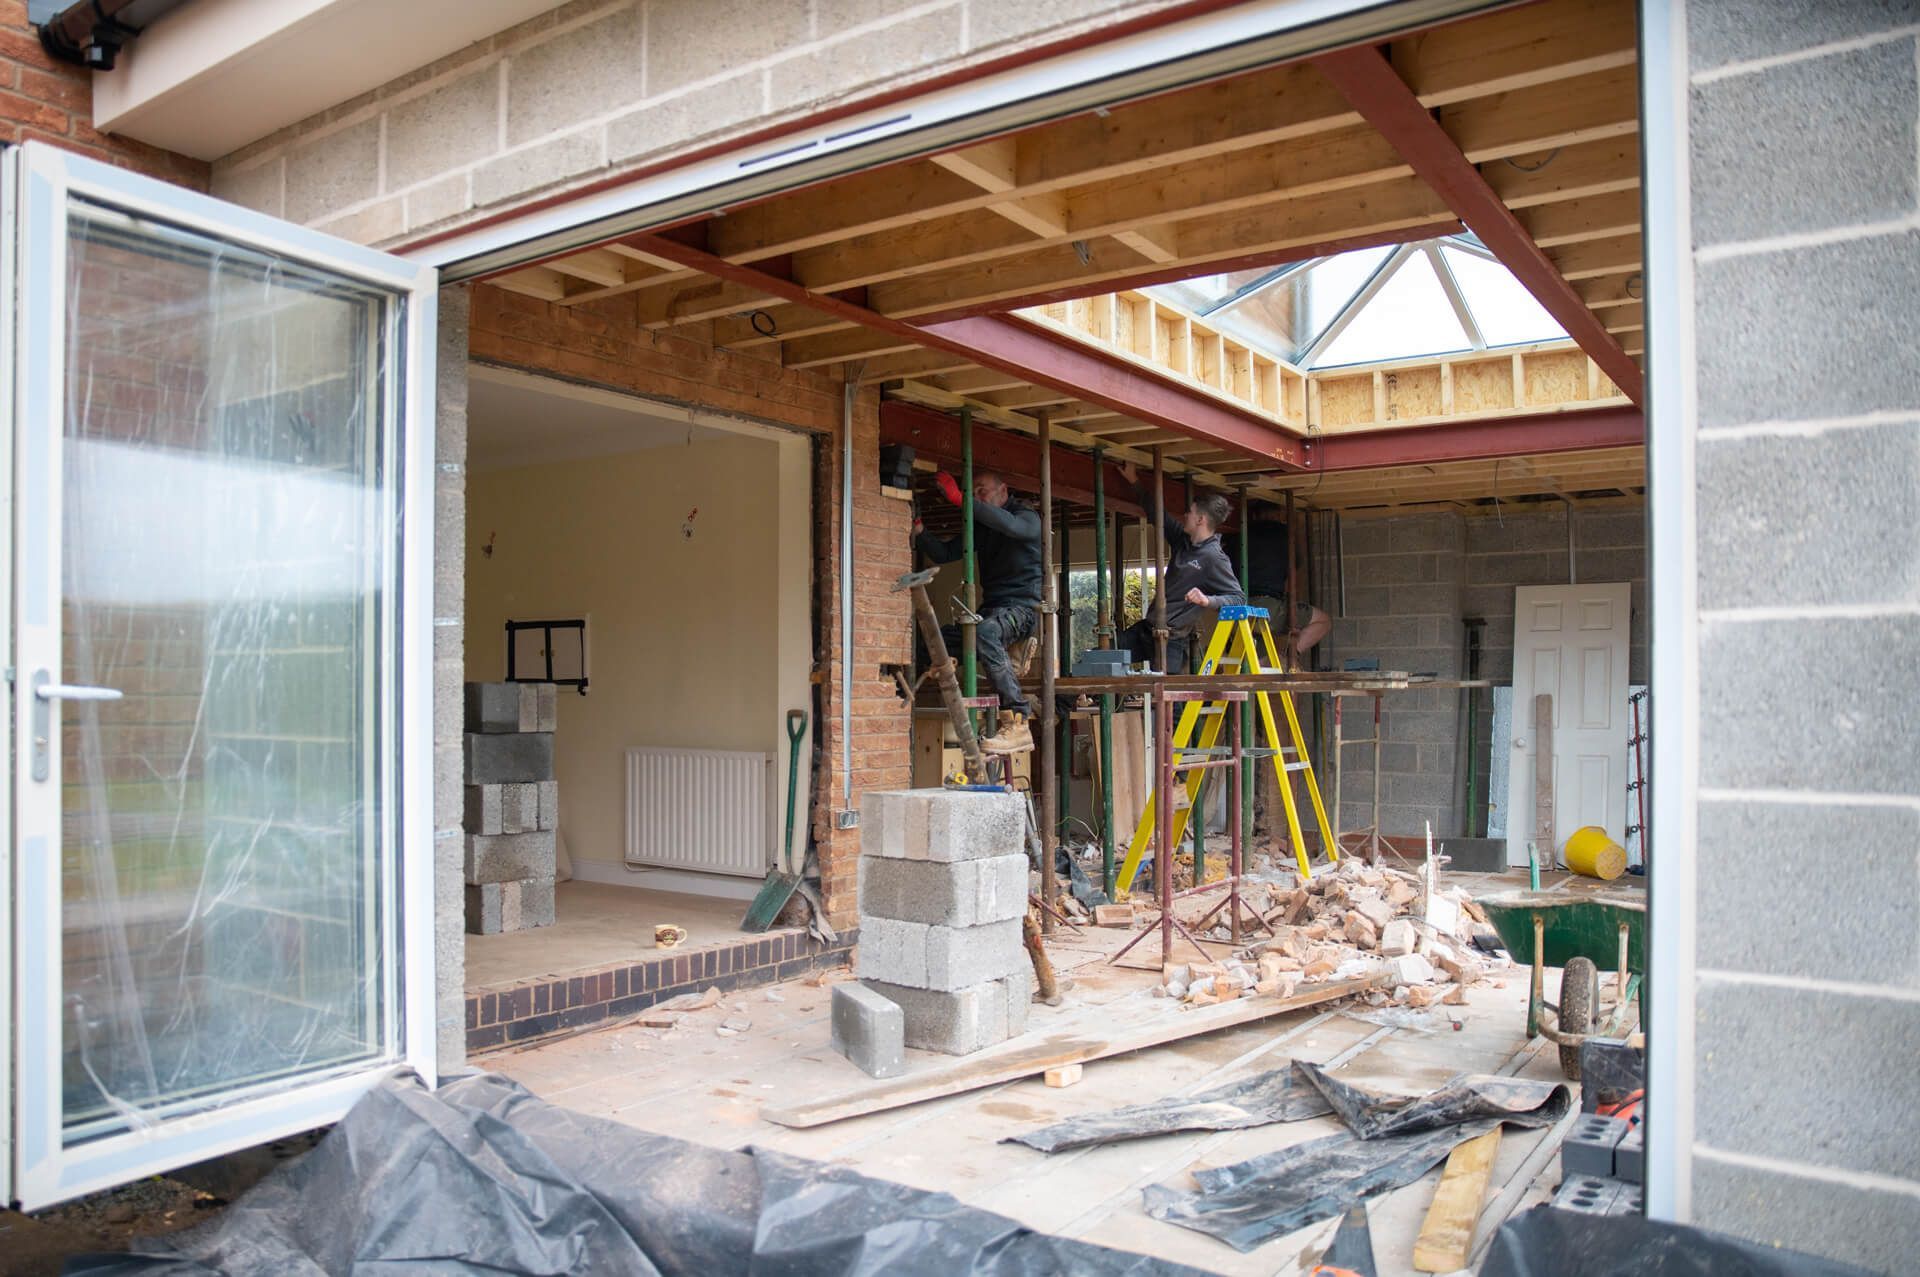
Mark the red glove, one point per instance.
(948, 487)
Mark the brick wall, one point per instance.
(48, 101)
(602, 343)
(1410, 583)
(1806, 1005)
(596, 88)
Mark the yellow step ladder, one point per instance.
(1242, 641)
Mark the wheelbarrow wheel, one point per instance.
(1579, 995)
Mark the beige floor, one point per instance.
(596, 925)
(693, 1083)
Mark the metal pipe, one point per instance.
(1116, 566)
(1293, 584)
(1246, 721)
(1049, 788)
(1103, 625)
(1160, 561)
(1572, 576)
(1064, 592)
(969, 589)
(848, 391)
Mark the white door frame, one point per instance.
(42, 181)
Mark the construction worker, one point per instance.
(1199, 576)
(1006, 546)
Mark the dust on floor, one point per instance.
(698, 1082)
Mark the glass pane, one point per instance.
(1332, 284)
(1504, 309)
(1411, 316)
(228, 550)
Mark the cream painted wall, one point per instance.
(684, 644)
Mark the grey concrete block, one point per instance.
(689, 42)
(1873, 1227)
(1774, 531)
(1761, 361)
(449, 950)
(1831, 1073)
(870, 1030)
(1426, 600)
(1396, 569)
(1365, 536)
(1588, 1148)
(1856, 926)
(992, 22)
(1531, 567)
(545, 711)
(666, 123)
(1587, 1195)
(438, 201)
(1630, 1156)
(553, 160)
(496, 759)
(333, 171)
(496, 907)
(1729, 31)
(548, 792)
(962, 1021)
(892, 951)
(943, 958)
(1788, 705)
(974, 826)
(451, 127)
(257, 188)
(1805, 146)
(963, 893)
(866, 59)
(493, 707)
(1510, 533)
(1368, 600)
(585, 72)
(510, 857)
(1441, 532)
(483, 809)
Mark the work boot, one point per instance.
(1014, 736)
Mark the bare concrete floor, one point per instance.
(597, 925)
(696, 1084)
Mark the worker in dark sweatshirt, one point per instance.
(1199, 576)
(1006, 546)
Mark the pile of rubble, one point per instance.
(1348, 923)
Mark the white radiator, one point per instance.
(703, 809)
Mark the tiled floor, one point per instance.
(694, 1083)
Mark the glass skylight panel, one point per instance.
(1505, 311)
(1332, 284)
(1408, 318)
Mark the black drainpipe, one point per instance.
(92, 33)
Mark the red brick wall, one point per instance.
(48, 101)
(603, 343)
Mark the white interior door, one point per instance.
(222, 855)
(1569, 642)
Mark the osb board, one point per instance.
(1412, 393)
(1483, 386)
(1345, 401)
(1556, 378)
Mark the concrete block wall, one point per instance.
(597, 88)
(1801, 147)
(1411, 582)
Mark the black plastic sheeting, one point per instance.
(482, 1176)
(1545, 1242)
(1281, 1095)
(1390, 1142)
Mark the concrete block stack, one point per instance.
(943, 888)
(512, 806)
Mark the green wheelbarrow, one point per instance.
(1575, 933)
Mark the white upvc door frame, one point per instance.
(41, 183)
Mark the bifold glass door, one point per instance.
(222, 840)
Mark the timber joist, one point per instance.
(905, 275)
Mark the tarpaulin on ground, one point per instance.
(483, 1176)
(1391, 1141)
(1545, 1242)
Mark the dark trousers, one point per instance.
(999, 629)
(1137, 639)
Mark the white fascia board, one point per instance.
(210, 77)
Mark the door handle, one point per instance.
(45, 693)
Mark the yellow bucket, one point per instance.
(1589, 851)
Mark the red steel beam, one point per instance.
(935, 436)
(1583, 430)
(1370, 83)
(1020, 351)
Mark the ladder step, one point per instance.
(1296, 767)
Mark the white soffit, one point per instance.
(211, 76)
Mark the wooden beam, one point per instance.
(1527, 45)
(1572, 172)
(1571, 221)
(1591, 259)
(1369, 82)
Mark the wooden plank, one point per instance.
(1543, 777)
(1022, 1058)
(1446, 1238)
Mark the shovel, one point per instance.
(784, 878)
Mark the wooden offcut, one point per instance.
(1446, 1239)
